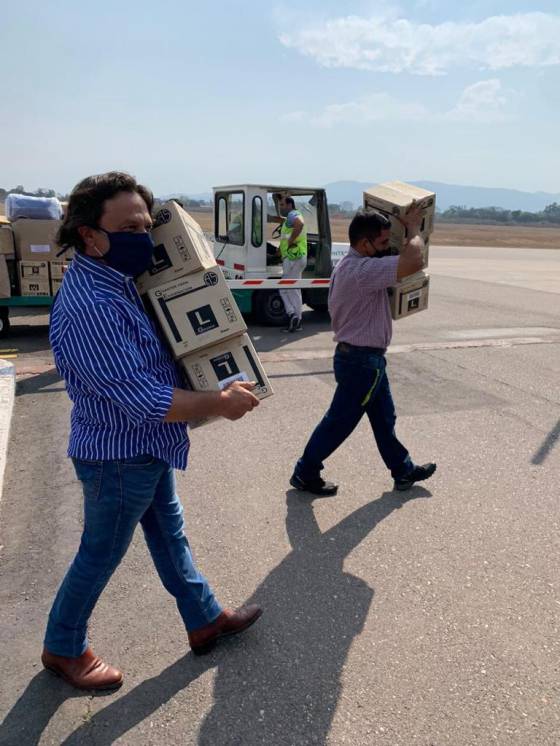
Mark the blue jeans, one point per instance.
(362, 388)
(117, 496)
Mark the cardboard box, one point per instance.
(56, 282)
(181, 248)
(7, 241)
(35, 239)
(196, 311)
(34, 278)
(5, 284)
(13, 275)
(58, 268)
(214, 368)
(393, 199)
(409, 296)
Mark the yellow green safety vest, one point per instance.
(300, 248)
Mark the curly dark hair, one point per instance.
(367, 223)
(85, 206)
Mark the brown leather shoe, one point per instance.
(229, 622)
(85, 672)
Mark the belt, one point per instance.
(347, 347)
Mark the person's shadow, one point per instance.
(278, 684)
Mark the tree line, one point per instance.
(184, 200)
(453, 214)
(458, 214)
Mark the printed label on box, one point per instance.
(160, 261)
(226, 369)
(202, 319)
(39, 248)
(413, 300)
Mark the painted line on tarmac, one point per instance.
(286, 356)
(7, 397)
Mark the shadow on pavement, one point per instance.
(38, 384)
(278, 684)
(26, 721)
(547, 446)
(285, 689)
(270, 338)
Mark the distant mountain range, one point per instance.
(446, 195)
(453, 194)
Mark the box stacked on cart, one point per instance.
(7, 258)
(30, 240)
(393, 199)
(196, 311)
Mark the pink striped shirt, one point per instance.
(358, 300)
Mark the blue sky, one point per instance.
(187, 95)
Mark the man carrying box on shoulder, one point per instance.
(361, 320)
(128, 428)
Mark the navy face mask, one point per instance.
(129, 253)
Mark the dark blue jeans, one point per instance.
(117, 496)
(362, 388)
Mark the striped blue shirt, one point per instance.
(117, 371)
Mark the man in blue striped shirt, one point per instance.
(128, 428)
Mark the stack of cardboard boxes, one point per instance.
(7, 259)
(393, 199)
(31, 243)
(196, 310)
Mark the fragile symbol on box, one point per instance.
(228, 310)
(200, 377)
(202, 319)
(181, 248)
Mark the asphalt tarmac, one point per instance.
(429, 618)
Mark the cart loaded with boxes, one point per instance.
(31, 269)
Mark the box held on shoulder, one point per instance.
(180, 248)
(196, 311)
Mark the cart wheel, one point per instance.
(4, 322)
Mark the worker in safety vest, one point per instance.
(293, 251)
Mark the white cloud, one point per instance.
(375, 107)
(481, 102)
(399, 45)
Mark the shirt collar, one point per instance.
(352, 252)
(109, 276)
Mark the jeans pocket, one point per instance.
(144, 459)
(90, 474)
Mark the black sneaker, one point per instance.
(297, 326)
(418, 474)
(288, 327)
(316, 486)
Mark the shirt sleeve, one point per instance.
(99, 347)
(292, 215)
(378, 273)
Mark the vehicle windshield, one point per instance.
(305, 203)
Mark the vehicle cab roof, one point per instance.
(267, 187)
